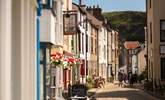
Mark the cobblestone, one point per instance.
(113, 92)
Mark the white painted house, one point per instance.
(51, 41)
(102, 44)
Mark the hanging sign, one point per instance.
(70, 24)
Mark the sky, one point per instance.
(116, 5)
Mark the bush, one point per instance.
(90, 82)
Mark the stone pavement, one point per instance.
(114, 92)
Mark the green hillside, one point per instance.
(129, 23)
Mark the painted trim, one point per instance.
(38, 58)
(38, 48)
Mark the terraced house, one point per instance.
(18, 49)
(155, 39)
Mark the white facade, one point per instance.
(89, 41)
(134, 64)
(52, 25)
(102, 38)
(52, 33)
(81, 20)
(47, 27)
(18, 50)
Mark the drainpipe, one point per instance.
(38, 48)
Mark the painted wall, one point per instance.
(154, 15)
(47, 26)
(102, 38)
(141, 61)
(18, 49)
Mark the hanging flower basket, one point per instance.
(56, 59)
(73, 61)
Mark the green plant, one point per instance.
(90, 82)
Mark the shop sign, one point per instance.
(70, 24)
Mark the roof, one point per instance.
(131, 44)
(94, 21)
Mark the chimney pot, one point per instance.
(97, 6)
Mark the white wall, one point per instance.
(18, 50)
(47, 27)
(103, 51)
(52, 26)
(5, 49)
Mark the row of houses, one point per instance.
(89, 38)
(34, 32)
(132, 57)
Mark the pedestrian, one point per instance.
(69, 90)
(112, 77)
(120, 78)
(130, 78)
(125, 77)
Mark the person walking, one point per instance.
(125, 78)
(120, 78)
(130, 79)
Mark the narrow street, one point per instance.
(113, 92)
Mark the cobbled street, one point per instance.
(114, 92)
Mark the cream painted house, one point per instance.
(93, 26)
(115, 53)
(141, 61)
(18, 50)
(156, 39)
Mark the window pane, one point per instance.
(162, 35)
(162, 68)
(162, 25)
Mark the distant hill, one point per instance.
(129, 23)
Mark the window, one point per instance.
(92, 44)
(79, 38)
(150, 3)
(162, 30)
(95, 46)
(72, 45)
(163, 68)
(150, 32)
(104, 52)
(86, 43)
(83, 43)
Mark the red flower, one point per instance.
(57, 56)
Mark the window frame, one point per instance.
(161, 72)
(150, 4)
(162, 40)
(151, 32)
